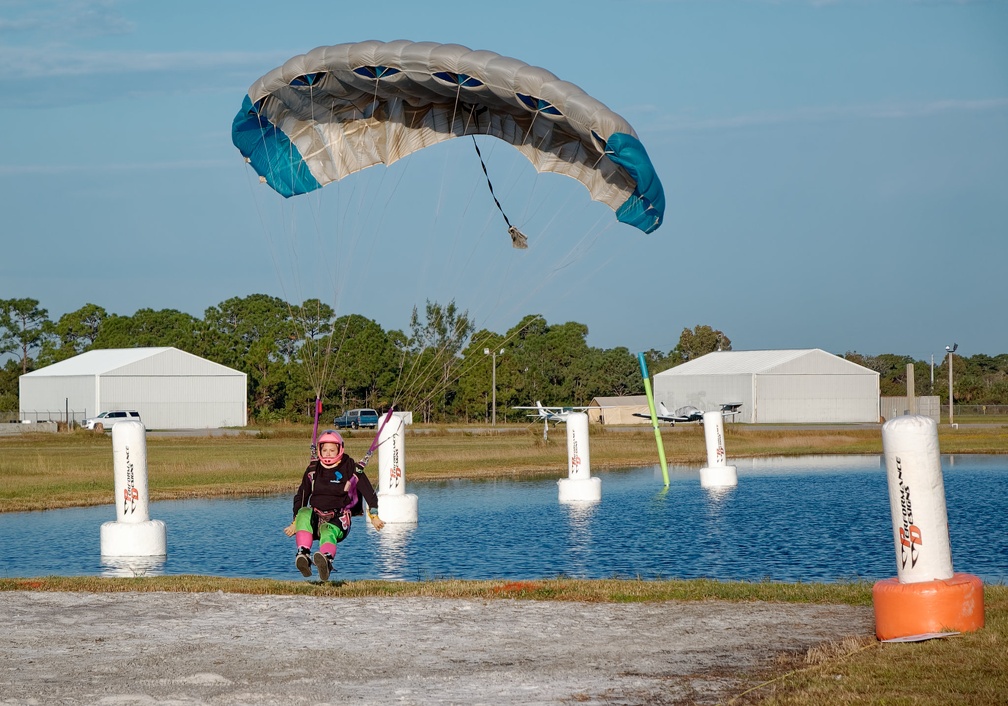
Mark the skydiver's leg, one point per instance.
(303, 538)
(330, 534)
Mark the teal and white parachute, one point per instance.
(337, 110)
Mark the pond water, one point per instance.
(818, 518)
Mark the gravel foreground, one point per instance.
(216, 648)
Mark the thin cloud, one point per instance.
(46, 78)
(823, 3)
(20, 170)
(63, 18)
(883, 111)
(55, 63)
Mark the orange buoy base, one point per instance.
(909, 609)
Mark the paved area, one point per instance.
(216, 648)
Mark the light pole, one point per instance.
(493, 365)
(951, 349)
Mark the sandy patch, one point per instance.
(216, 648)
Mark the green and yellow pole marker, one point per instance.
(654, 417)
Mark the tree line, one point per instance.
(437, 369)
(440, 369)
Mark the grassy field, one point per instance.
(49, 471)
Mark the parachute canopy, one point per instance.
(336, 110)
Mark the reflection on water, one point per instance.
(132, 566)
(813, 518)
(580, 535)
(718, 494)
(393, 544)
(787, 465)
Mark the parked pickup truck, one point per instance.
(356, 418)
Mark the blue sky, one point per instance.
(836, 173)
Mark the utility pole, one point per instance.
(951, 349)
(493, 364)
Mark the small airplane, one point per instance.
(689, 413)
(552, 414)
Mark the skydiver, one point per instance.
(331, 491)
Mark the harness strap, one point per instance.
(326, 516)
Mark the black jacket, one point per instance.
(325, 488)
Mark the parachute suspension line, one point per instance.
(464, 367)
(276, 266)
(494, 295)
(314, 434)
(374, 442)
(576, 252)
(469, 126)
(317, 360)
(518, 239)
(597, 161)
(311, 365)
(535, 181)
(327, 358)
(374, 99)
(273, 254)
(444, 169)
(416, 376)
(579, 250)
(425, 369)
(320, 359)
(329, 353)
(458, 95)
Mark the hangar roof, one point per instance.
(167, 360)
(797, 361)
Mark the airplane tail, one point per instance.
(663, 410)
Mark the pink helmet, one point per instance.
(330, 437)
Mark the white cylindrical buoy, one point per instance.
(394, 503)
(578, 453)
(133, 533)
(717, 474)
(129, 463)
(927, 596)
(579, 486)
(917, 499)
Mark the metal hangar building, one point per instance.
(775, 386)
(171, 389)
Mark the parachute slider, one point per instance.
(519, 240)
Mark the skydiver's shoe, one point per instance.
(324, 565)
(303, 564)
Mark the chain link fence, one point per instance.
(979, 410)
(35, 416)
(892, 407)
